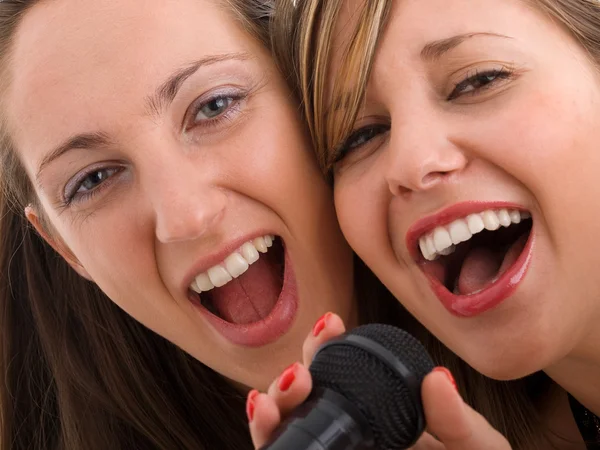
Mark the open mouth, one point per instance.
(247, 286)
(472, 261)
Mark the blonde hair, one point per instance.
(302, 34)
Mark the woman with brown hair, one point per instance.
(462, 138)
(167, 238)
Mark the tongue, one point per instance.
(483, 266)
(479, 269)
(252, 296)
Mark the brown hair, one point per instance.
(301, 33)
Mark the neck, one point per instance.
(562, 431)
(578, 373)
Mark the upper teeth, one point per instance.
(233, 266)
(443, 240)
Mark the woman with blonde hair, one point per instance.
(462, 139)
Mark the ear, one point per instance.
(57, 244)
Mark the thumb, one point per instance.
(452, 421)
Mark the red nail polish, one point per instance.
(448, 374)
(287, 378)
(250, 404)
(320, 325)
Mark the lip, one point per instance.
(267, 330)
(446, 216)
(217, 257)
(490, 297)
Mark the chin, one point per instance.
(508, 359)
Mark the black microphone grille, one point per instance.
(379, 368)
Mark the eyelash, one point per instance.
(367, 133)
(73, 196)
(497, 75)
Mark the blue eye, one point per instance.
(82, 187)
(214, 108)
(94, 179)
(206, 113)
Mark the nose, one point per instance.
(186, 202)
(421, 156)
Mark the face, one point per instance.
(166, 152)
(467, 182)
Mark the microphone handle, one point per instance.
(326, 421)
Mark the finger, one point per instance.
(428, 442)
(263, 415)
(291, 388)
(326, 328)
(452, 421)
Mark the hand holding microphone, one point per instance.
(367, 394)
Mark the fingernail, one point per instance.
(250, 404)
(448, 374)
(287, 378)
(320, 325)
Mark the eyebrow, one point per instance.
(167, 91)
(158, 102)
(433, 51)
(82, 141)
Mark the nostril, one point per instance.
(403, 191)
(403, 183)
(433, 178)
(398, 189)
(426, 182)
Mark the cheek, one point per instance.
(350, 210)
(115, 249)
(272, 161)
(556, 155)
(546, 139)
(552, 149)
(362, 216)
(362, 207)
(548, 133)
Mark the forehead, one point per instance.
(411, 24)
(78, 63)
(108, 30)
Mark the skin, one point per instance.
(172, 193)
(530, 139)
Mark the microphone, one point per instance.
(366, 394)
